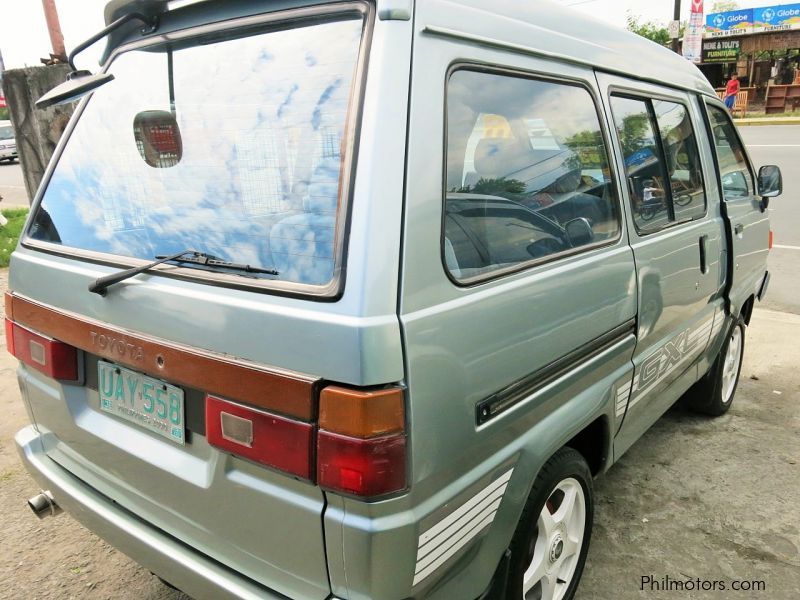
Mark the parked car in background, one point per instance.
(353, 300)
(8, 143)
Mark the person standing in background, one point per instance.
(731, 90)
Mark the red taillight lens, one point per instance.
(53, 358)
(259, 436)
(361, 444)
(371, 467)
(770, 239)
(10, 337)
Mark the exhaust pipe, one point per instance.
(44, 505)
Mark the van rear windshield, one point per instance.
(237, 148)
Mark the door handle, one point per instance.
(738, 229)
(703, 261)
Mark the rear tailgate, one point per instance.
(261, 522)
(246, 155)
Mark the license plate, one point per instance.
(149, 403)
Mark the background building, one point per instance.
(761, 45)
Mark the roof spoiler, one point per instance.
(117, 9)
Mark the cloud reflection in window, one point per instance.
(262, 121)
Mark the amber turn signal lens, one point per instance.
(361, 413)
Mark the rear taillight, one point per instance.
(361, 441)
(770, 239)
(263, 437)
(10, 337)
(53, 358)
(361, 444)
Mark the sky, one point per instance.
(24, 38)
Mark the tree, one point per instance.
(724, 6)
(651, 30)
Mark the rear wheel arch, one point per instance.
(592, 442)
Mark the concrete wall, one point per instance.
(37, 130)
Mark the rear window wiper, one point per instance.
(101, 284)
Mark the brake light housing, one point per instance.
(360, 440)
(361, 444)
(45, 354)
(260, 436)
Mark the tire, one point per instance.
(560, 553)
(713, 394)
(647, 213)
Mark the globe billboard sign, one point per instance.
(753, 20)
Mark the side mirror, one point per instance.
(78, 84)
(579, 232)
(770, 181)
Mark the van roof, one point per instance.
(545, 28)
(539, 27)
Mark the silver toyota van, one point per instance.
(354, 299)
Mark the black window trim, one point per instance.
(493, 69)
(648, 98)
(334, 289)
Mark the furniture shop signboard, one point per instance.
(753, 20)
(733, 22)
(721, 51)
(776, 18)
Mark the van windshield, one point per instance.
(6, 132)
(230, 147)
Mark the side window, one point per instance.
(683, 160)
(644, 164)
(527, 173)
(737, 181)
(662, 162)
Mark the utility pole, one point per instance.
(676, 15)
(54, 29)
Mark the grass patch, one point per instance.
(9, 234)
(8, 475)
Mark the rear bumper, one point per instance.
(194, 573)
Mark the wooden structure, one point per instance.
(782, 97)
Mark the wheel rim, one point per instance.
(558, 543)
(730, 368)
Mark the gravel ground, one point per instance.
(695, 498)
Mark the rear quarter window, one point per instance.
(527, 174)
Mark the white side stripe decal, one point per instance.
(622, 398)
(441, 542)
(672, 355)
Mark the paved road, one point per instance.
(780, 145)
(12, 186)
